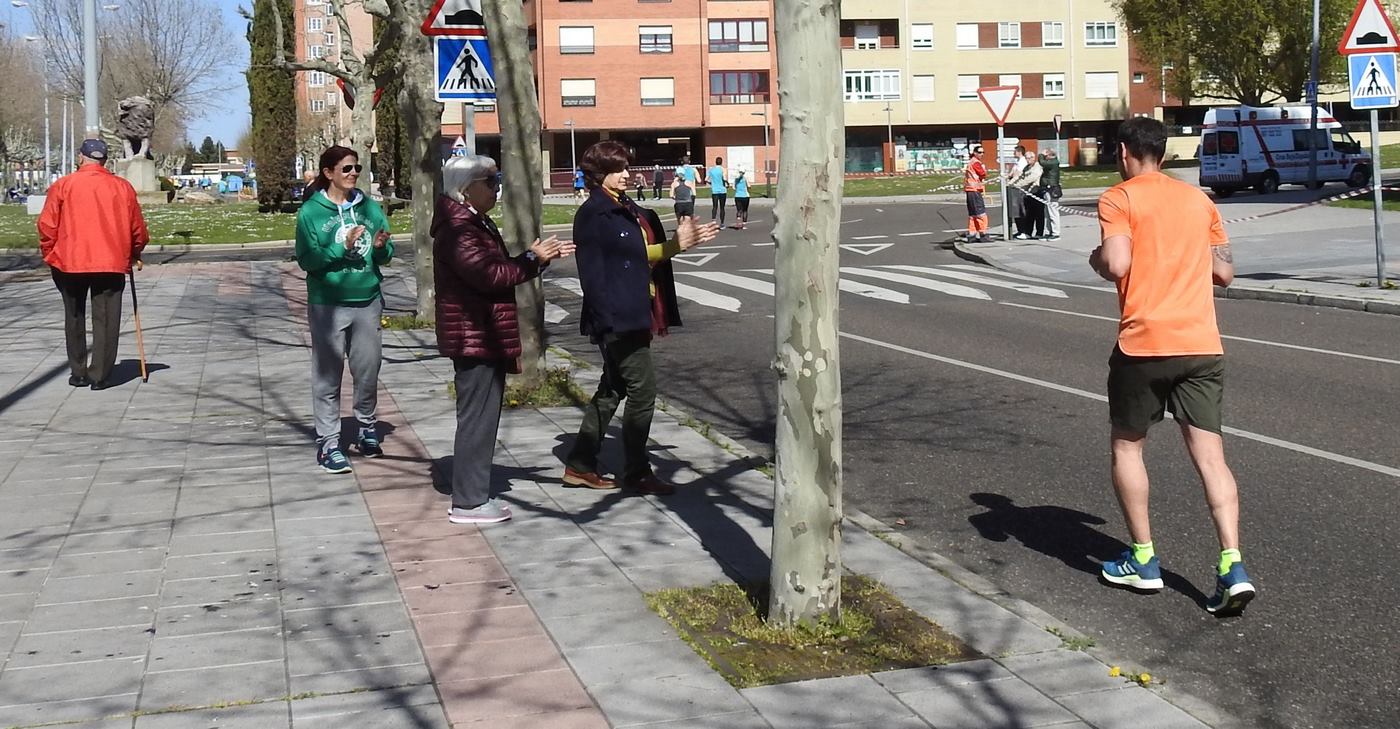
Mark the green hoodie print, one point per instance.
(334, 274)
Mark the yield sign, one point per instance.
(455, 17)
(1369, 31)
(998, 100)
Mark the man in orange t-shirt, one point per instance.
(974, 185)
(1163, 246)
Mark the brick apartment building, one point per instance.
(322, 117)
(674, 77)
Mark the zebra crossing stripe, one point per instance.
(952, 289)
(707, 298)
(729, 279)
(984, 280)
(568, 283)
(1023, 277)
(859, 288)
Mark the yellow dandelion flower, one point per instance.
(1115, 671)
(1144, 678)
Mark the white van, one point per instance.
(1264, 147)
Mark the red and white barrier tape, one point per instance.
(1292, 208)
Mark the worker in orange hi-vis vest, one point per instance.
(974, 184)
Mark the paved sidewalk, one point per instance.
(173, 558)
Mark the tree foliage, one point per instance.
(208, 151)
(391, 159)
(1251, 51)
(272, 96)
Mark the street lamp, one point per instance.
(767, 176)
(889, 131)
(48, 163)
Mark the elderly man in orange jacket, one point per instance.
(91, 232)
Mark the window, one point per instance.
(736, 36)
(1300, 139)
(330, 40)
(967, 35)
(1053, 86)
(309, 3)
(331, 98)
(921, 36)
(658, 92)
(883, 85)
(315, 78)
(318, 106)
(577, 92)
(1101, 85)
(576, 39)
(314, 52)
(738, 87)
(1139, 77)
(1011, 79)
(655, 38)
(1052, 35)
(967, 88)
(1229, 142)
(1101, 34)
(1009, 35)
(315, 24)
(867, 36)
(921, 88)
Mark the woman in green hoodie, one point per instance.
(342, 240)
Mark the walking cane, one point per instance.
(136, 313)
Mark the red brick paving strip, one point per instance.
(492, 661)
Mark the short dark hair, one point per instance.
(603, 159)
(719, 160)
(1145, 138)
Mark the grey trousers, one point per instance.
(480, 384)
(106, 292)
(338, 331)
(1052, 219)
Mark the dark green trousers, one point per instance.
(628, 373)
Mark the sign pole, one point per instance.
(1001, 175)
(469, 126)
(1376, 196)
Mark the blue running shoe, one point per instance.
(1128, 572)
(1233, 592)
(332, 460)
(368, 443)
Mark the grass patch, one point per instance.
(549, 215)
(724, 623)
(1074, 643)
(1365, 202)
(404, 322)
(557, 390)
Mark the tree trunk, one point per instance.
(422, 118)
(806, 572)
(522, 188)
(362, 127)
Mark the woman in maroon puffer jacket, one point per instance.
(476, 325)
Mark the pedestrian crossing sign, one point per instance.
(1372, 77)
(464, 70)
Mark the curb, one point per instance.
(1305, 298)
(967, 579)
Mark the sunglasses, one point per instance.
(347, 169)
(491, 182)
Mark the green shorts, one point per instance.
(1140, 389)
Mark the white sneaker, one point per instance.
(491, 512)
(1022, 236)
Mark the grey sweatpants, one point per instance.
(480, 384)
(335, 332)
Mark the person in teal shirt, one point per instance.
(741, 201)
(342, 240)
(719, 191)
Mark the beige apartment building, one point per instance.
(322, 116)
(912, 70)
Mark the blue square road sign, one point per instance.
(1372, 81)
(464, 69)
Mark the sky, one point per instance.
(225, 115)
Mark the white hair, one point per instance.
(458, 172)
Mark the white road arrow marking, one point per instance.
(695, 259)
(554, 313)
(868, 237)
(866, 249)
(984, 280)
(951, 289)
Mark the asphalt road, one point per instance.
(974, 416)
